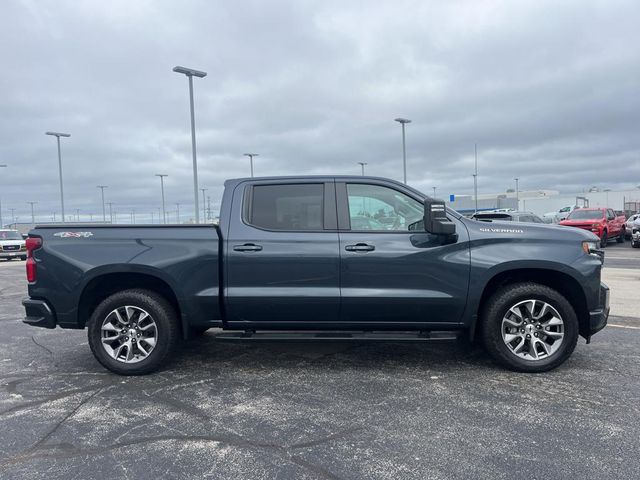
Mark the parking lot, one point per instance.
(343, 410)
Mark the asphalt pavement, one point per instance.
(327, 411)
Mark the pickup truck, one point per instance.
(603, 222)
(287, 260)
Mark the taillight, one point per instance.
(32, 243)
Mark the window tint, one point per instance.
(377, 208)
(287, 207)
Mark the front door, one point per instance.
(282, 260)
(390, 272)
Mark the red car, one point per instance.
(601, 221)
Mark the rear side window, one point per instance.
(286, 207)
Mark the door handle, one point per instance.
(360, 247)
(247, 247)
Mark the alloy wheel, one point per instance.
(129, 334)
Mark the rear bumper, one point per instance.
(38, 313)
(598, 318)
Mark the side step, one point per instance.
(315, 336)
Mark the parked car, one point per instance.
(12, 245)
(635, 232)
(628, 226)
(558, 215)
(601, 221)
(287, 261)
(507, 216)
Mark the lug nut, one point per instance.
(546, 328)
(535, 334)
(528, 336)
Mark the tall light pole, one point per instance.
(190, 73)
(204, 206)
(475, 177)
(362, 164)
(403, 122)
(164, 214)
(1, 166)
(13, 215)
(251, 155)
(178, 213)
(58, 135)
(33, 217)
(517, 194)
(78, 215)
(104, 212)
(434, 192)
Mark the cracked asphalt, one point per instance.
(318, 411)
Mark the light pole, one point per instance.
(58, 135)
(204, 206)
(13, 215)
(104, 213)
(1, 166)
(362, 164)
(190, 73)
(251, 155)
(110, 211)
(164, 215)
(475, 177)
(33, 217)
(178, 213)
(517, 194)
(403, 122)
(434, 192)
(78, 215)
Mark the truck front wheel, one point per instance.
(529, 327)
(133, 332)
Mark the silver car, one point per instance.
(628, 226)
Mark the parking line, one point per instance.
(622, 326)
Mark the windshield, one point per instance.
(10, 235)
(585, 215)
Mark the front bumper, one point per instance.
(598, 318)
(38, 313)
(13, 253)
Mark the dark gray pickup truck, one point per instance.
(320, 258)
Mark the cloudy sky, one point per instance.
(550, 92)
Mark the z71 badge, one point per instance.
(73, 234)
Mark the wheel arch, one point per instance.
(562, 282)
(103, 284)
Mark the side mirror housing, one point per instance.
(435, 218)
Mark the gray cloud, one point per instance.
(547, 90)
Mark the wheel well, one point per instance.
(103, 286)
(564, 284)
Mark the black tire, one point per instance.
(620, 238)
(497, 307)
(635, 244)
(23, 258)
(604, 240)
(165, 317)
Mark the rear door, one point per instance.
(390, 273)
(282, 260)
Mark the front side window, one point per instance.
(287, 206)
(378, 208)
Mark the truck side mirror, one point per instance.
(435, 218)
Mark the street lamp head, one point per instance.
(102, 186)
(58, 134)
(190, 72)
(402, 120)
(2, 166)
(161, 175)
(251, 154)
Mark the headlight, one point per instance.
(590, 248)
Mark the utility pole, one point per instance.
(251, 155)
(434, 192)
(475, 177)
(403, 122)
(164, 214)
(33, 217)
(58, 135)
(77, 215)
(190, 73)
(362, 164)
(517, 194)
(178, 213)
(110, 211)
(208, 207)
(203, 205)
(104, 214)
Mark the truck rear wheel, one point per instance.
(133, 332)
(529, 327)
(604, 239)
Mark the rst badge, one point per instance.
(73, 234)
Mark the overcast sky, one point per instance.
(550, 92)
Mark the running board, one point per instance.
(265, 336)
